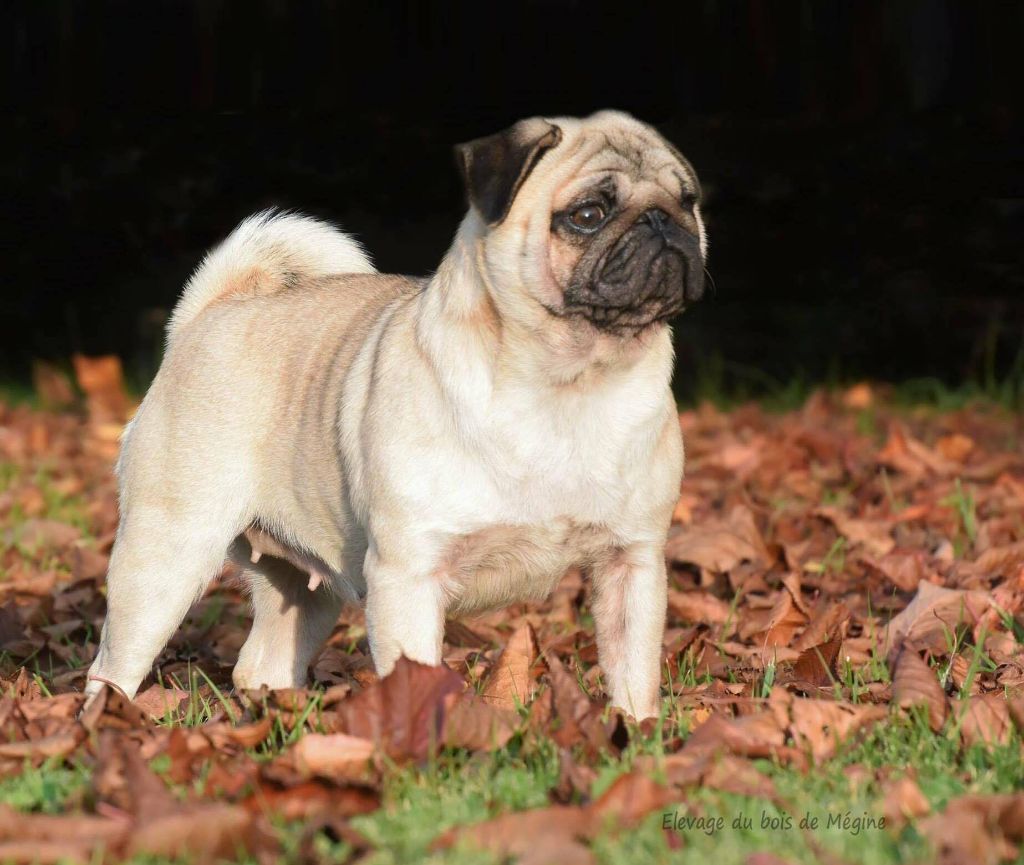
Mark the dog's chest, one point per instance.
(535, 464)
(502, 564)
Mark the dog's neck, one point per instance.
(462, 316)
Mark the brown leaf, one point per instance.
(211, 831)
(160, 702)
(56, 745)
(310, 799)
(914, 683)
(576, 717)
(984, 719)
(875, 536)
(817, 665)
(720, 545)
(758, 735)
(903, 801)
(574, 779)
(335, 756)
(905, 569)
(824, 628)
(629, 799)
(43, 838)
(540, 830)
(822, 725)
(775, 627)
(404, 713)
(227, 735)
(735, 775)
(52, 385)
(976, 829)
(102, 381)
(955, 447)
(934, 615)
(479, 726)
(88, 564)
(509, 684)
(47, 534)
(699, 607)
(1002, 561)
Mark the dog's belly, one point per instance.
(504, 564)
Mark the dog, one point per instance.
(429, 447)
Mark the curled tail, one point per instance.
(268, 252)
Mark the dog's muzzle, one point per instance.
(651, 274)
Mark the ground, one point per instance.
(843, 678)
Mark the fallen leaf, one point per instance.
(699, 607)
(875, 536)
(914, 683)
(404, 713)
(720, 545)
(630, 798)
(820, 726)
(336, 756)
(903, 801)
(934, 615)
(817, 665)
(102, 381)
(509, 684)
(758, 735)
(984, 719)
(478, 725)
(160, 702)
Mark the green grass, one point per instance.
(456, 789)
(46, 789)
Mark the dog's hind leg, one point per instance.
(290, 624)
(162, 562)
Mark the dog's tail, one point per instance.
(268, 252)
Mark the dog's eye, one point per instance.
(587, 217)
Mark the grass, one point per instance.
(844, 795)
(455, 789)
(46, 789)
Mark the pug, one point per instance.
(430, 447)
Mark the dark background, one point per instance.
(862, 161)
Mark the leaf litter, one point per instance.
(823, 576)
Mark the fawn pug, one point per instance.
(427, 446)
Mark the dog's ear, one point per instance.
(494, 168)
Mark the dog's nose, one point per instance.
(656, 218)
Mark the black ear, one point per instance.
(494, 168)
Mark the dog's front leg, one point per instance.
(630, 594)
(405, 608)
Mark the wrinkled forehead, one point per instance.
(627, 153)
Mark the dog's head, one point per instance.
(595, 220)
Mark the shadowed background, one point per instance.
(862, 162)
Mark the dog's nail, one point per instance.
(255, 557)
(314, 581)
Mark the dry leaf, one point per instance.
(335, 756)
(720, 545)
(984, 719)
(903, 801)
(405, 712)
(934, 615)
(510, 682)
(914, 683)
